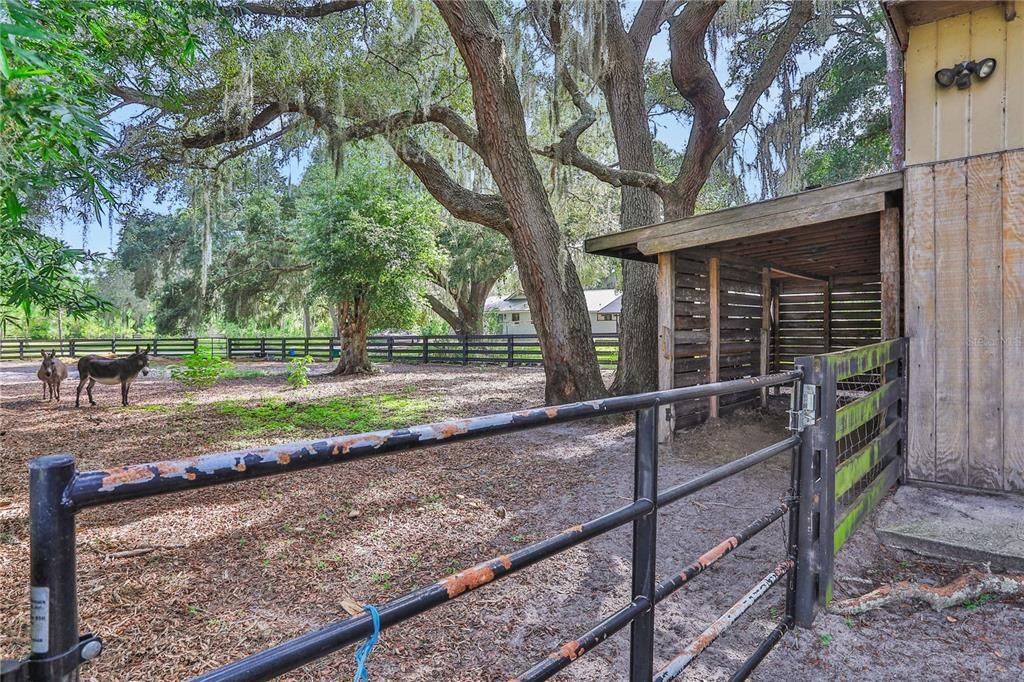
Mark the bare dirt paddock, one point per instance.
(230, 570)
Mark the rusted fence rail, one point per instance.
(58, 492)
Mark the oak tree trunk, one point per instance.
(550, 282)
(470, 300)
(355, 324)
(638, 334)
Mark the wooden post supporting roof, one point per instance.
(890, 272)
(666, 342)
(714, 328)
(827, 317)
(766, 327)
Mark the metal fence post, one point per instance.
(645, 538)
(817, 478)
(426, 349)
(263, 347)
(21, 349)
(195, 345)
(54, 604)
(806, 573)
(511, 350)
(465, 349)
(826, 436)
(391, 349)
(71, 345)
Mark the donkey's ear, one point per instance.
(53, 354)
(146, 352)
(43, 353)
(136, 350)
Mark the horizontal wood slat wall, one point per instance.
(854, 317)
(739, 323)
(964, 268)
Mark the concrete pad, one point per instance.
(954, 525)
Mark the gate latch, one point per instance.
(807, 413)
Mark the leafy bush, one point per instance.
(200, 370)
(298, 371)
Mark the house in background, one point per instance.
(604, 306)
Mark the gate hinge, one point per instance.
(807, 413)
(52, 667)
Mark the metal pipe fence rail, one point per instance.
(58, 491)
(512, 350)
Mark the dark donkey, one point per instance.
(93, 368)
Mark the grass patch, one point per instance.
(338, 415)
(246, 373)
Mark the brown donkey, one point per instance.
(93, 368)
(52, 372)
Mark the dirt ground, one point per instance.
(238, 568)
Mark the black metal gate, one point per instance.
(58, 491)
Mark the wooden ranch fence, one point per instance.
(513, 350)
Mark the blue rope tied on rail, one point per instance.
(366, 648)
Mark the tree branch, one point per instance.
(258, 143)
(567, 151)
(646, 23)
(799, 15)
(293, 10)
(484, 209)
(445, 116)
(443, 311)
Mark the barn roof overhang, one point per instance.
(902, 14)
(817, 233)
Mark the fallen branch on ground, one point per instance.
(965, 588)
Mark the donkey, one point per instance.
(93, 368)
(52, 372)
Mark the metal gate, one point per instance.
(58, 491)
(853, 419)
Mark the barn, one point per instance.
(933, 252)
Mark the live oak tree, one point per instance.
(596, 41)
(370, 242)
(472, 261)
(276, 80)
(293, 63)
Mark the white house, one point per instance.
(604, 306)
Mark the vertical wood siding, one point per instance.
(964, 274)
(947, 123)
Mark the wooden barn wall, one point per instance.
(807, 326)
(739, 324)
(947, 123)
(964, 314)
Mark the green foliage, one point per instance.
(369, 239)
(53, 54)
(39, 272)
(200, 370)
(355, 414)
(851, 107)
(825, 638)
(298, 371)
(980, 600)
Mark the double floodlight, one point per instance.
(962, 72)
